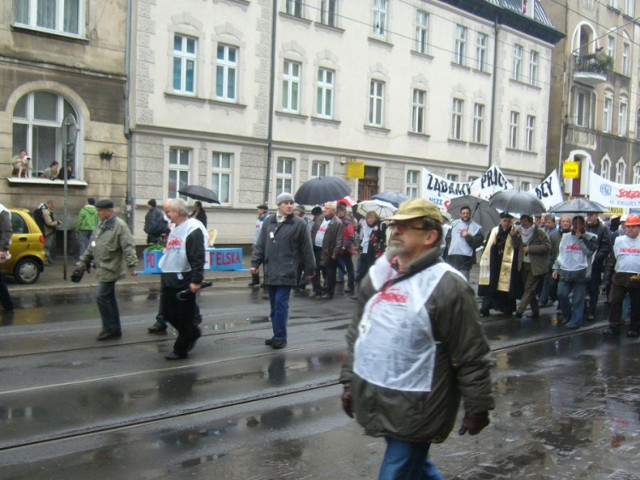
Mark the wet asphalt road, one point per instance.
(72, 408)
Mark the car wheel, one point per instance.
(26, 271)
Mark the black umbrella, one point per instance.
(578, 205)
(322, 189)
(517, 201)
(481, 211)
(197, 192)
(396, 198)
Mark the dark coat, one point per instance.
(539, 248)
(282, 247)
(332, 243)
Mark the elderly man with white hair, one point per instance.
(182, 267)
(326, 236)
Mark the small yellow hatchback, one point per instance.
(27, 248)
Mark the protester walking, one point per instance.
(598, 228)
(415, 347)
(346, 252)
(283, 243)
(85, 224)
(112, 251)
(326, 235)
(573, 270)
(182, 267)
(462, 240)
(263, 214)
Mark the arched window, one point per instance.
(605, 168)
(621, 170)
(636, 173)
(37, 118)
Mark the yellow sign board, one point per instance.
(355, 169)
(571, 169)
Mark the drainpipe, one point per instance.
(127, 124)
(494, 86)
(272, 87)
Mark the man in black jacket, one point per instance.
(598, 228)
(283, 242)
(182, 268)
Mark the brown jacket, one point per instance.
(539, 249)
(332, 243)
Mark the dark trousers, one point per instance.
(616, 298)
(179, 313)
(279, 301)
(329, 273)
(530, 282)
(108, 307)
(5, 296)
(462, 263)
(347, 261)
(594, 289)
(316, 282)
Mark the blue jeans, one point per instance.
(108, 307)
(83, 241)
(407, 461)
(572, 309)
(279, 300)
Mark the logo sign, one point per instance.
(613, 195)
(571, 169)
(355, 169)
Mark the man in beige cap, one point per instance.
(415, 347)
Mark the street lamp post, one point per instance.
(69, 135)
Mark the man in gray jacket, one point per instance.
(283, 242)
(415, 347)
(113, 252)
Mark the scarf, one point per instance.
(526, 233)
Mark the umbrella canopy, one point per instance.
(383, 209)
(481, 212)
(578, 205)
(198, 192)
(321, 190)
(517, 201)
(396, 198)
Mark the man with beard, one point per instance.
(499, 284)
(463, 238)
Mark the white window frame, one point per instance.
(457, 114)
(626, 55)
(460, 45)
(629, 8)
(294, 8)
(30, 17)
(478, 122)
(217, 169)
(623, 115)
(179, 168)
(325, 92)
(329, 12)
(525, 186)
(621, 170)
(530, 134)
(611, 46)
(636, 173)
(380, 12)
(518, 51)
(605, 168)
(422, 32)
(453, 177)
(291, 81)
(514, 124)
(228, 70)
(376, 102)
(187, 60)
(482, 41)
(320, 168)
(412, 183)
(418, 110)
(534, 57)
(285, 175)
(607, 114)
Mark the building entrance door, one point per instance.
(368, 186)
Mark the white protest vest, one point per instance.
(174, 259)
(627, 252)
(459, 245)
(571, 257)
(395, 348)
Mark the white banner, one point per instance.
(549, 191)
(611, 194)
(492, 181)
(438, 190)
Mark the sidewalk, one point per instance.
(53, 278)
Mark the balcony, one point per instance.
(592, 69)
(581, 137)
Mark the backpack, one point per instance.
(38, 216)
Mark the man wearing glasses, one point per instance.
(415, 347)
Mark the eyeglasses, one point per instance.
(403, 226)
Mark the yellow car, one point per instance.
(27, 248)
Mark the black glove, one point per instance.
(474, 423)
(347, 404)
(77, 274)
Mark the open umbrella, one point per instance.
(383, 209)
(481, 211)
(578, 205)
(321, 190)
(197, 192)
(393, 197)
(517, 201)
